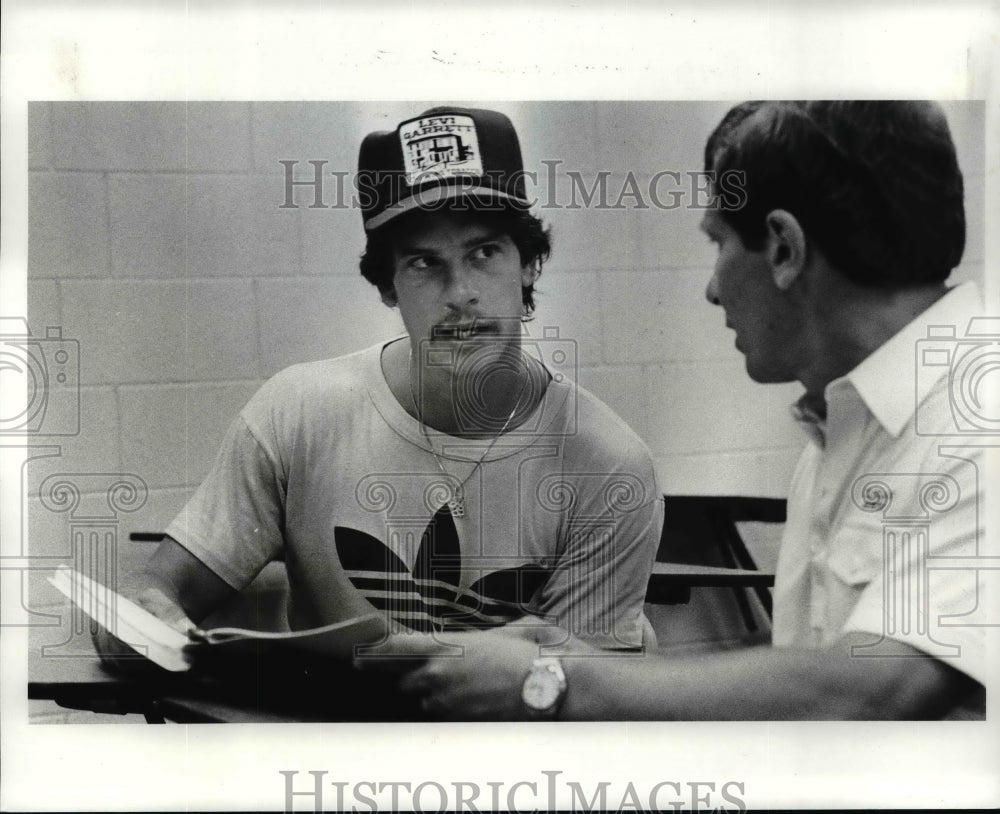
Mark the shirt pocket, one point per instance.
(853, 569)
(856, 554)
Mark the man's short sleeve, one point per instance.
(233, 522)
(599, 583)
(927, 591)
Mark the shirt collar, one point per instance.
(811, 417)
(899, 375)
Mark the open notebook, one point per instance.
(177, 651)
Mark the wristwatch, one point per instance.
(544, 688)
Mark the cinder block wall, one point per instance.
(158, 241)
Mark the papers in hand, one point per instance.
(175, 650)
(135, 626)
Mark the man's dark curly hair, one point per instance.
(874, 184)
(529, 234)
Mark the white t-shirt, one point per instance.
(325, 470)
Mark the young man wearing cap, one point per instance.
(831, 272)
(448, 478)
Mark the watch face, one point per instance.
(541, 689)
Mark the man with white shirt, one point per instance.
(832, 271)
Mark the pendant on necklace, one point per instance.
(456, 503)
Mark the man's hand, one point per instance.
(164, 608)
(474, 675)
(468, 676)
(117, 654)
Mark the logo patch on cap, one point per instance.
(436, 147)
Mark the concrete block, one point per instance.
(201, 226)
(660, 316)
(662, 415)
(218, 136)
(97, 446)
(649, 137)
(39, 135)
(162, 506)
(755, 473)
(306, 131)
(308, 318)
(615, 223)
(605, 382)
(149, 222)
(49, 535)
(966, 272)
(67, 225)
(171, 434)
(710, 407)
(43, 305)
(235, 228)
(332, 241)
(670, 238)
(563, 131)
(67, 509)
(967, 122)
(146, 331)
(570, 303)
(588, 237)
(119, 135)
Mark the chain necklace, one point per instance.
(456, 503)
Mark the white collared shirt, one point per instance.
(885, 511)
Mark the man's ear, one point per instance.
(389, 296)
(786, 247)
(530, 272)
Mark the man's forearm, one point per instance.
(185, 581)
(762, 684)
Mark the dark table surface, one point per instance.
(258, 692)
(80, 681)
